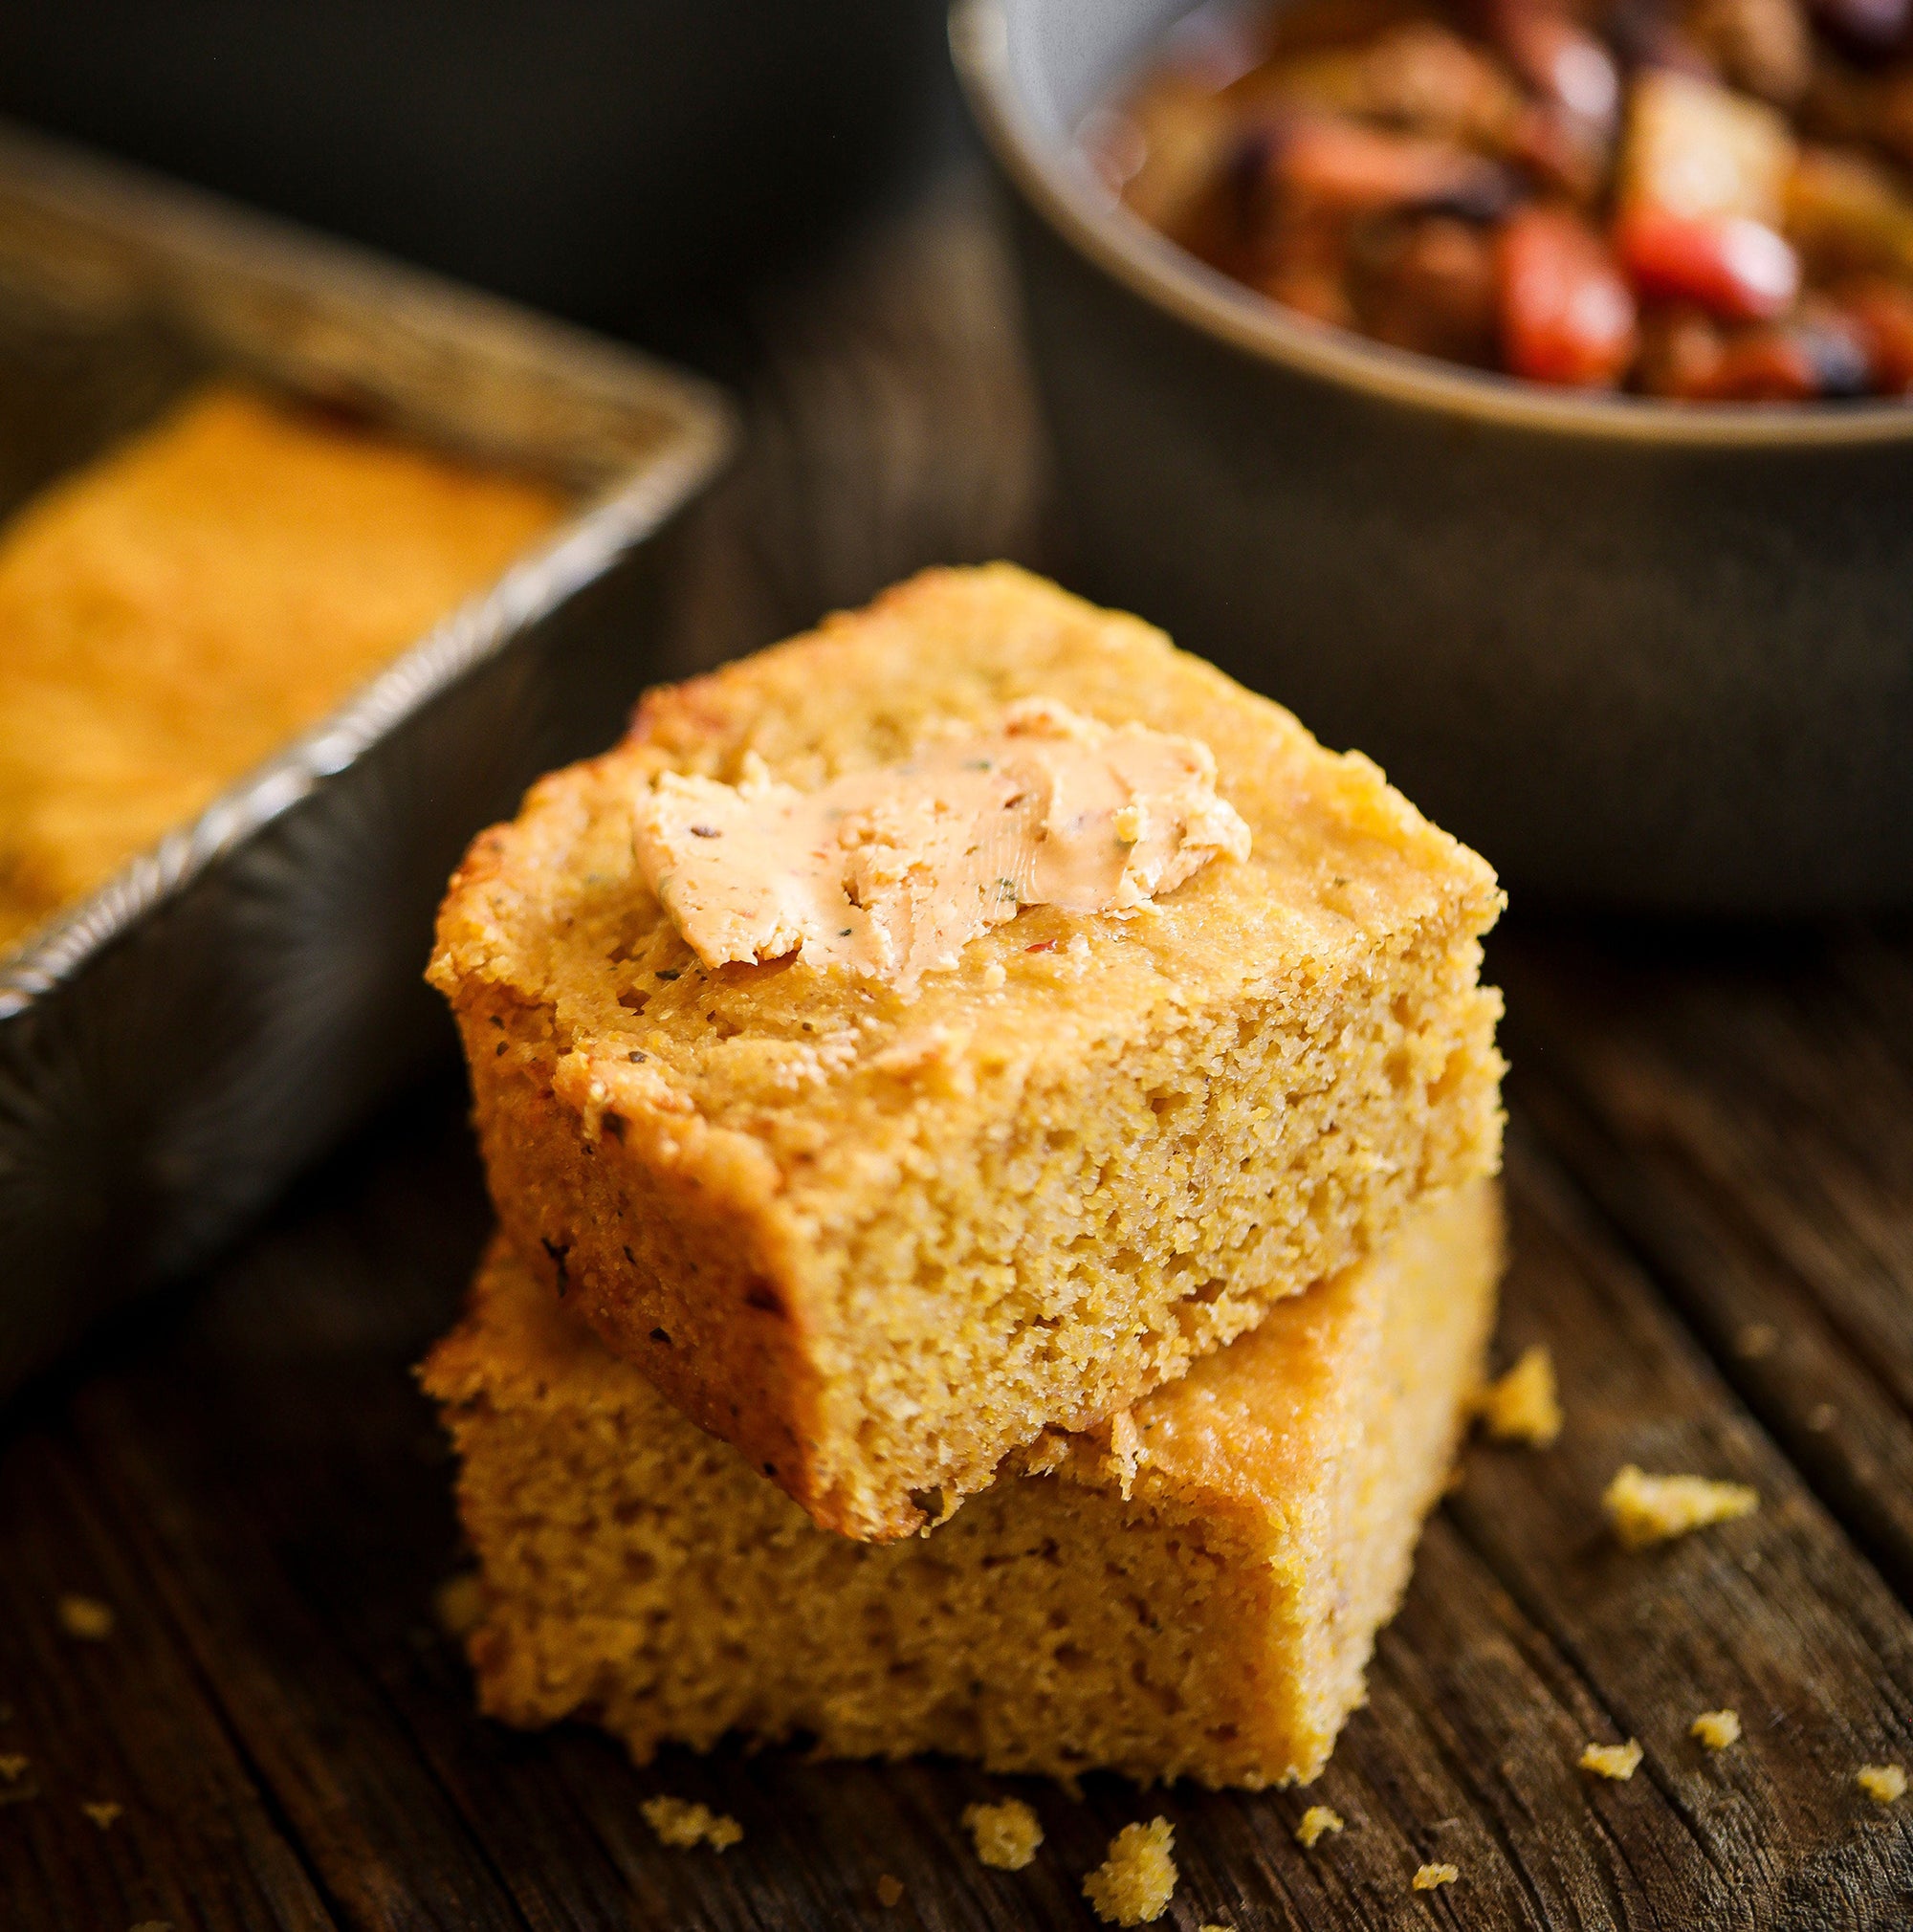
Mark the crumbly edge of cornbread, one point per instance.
(1215, 1624)
(180, 607)
(879, 1243)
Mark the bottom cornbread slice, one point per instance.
(1192, 1590)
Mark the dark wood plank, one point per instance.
(1742, 1106)
(124, 1720)
(1776, 1617)
(271, 1460)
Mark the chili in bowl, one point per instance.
(1700, 200)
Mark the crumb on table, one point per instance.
(1883, 1784)
(678, 1822)
(1006, 1834)
(890, 1890)
(1618, 1762)
(1716, 1729)
(1428, 1877)
(1524, 1406)
(1646, 1509)
(103, 1812)
(1318, 1821)
(85, 1617)
(1132, 1885)
(12, 1765)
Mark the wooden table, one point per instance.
(1711, 1177)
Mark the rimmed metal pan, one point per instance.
(175, 1047)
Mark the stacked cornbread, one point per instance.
(974, 1051)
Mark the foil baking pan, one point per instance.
(176, 1047)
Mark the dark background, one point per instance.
(639, 166)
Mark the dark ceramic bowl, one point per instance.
(1643, 656)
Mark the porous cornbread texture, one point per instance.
(176, 611)
(1212, 1622)
(877, 1242)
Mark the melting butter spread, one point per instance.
(889, 872)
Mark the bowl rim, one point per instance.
(1062, 189)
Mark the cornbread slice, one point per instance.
(879, 1241)
(176, 611)
(1193, 1594)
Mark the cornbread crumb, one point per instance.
(1318, 1821)
(103, 1812)
(12, 1765)
(1716, 1729)
(1132, 1885)
(682, 1824)
(459, 1603)
(152, 1925)
(85, 1617)
(1646, 1509)
(1524, 1406)
(1428, 1877)
(1883, 1784)
(1618, 1762)
(1006, 1834)
(888, 1890)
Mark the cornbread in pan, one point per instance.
(176, 610)
(879, 1238)
(1191, 1591)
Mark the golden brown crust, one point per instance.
(715, 1323)
(890, 1240)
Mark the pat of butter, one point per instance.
(890, 872)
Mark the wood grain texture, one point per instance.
(1742, 1106)
(1710, 1141)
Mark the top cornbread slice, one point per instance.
(878, 1243)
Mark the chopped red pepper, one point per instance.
(1741, 270)
(1567, 316)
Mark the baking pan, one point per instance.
(174, 1048)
